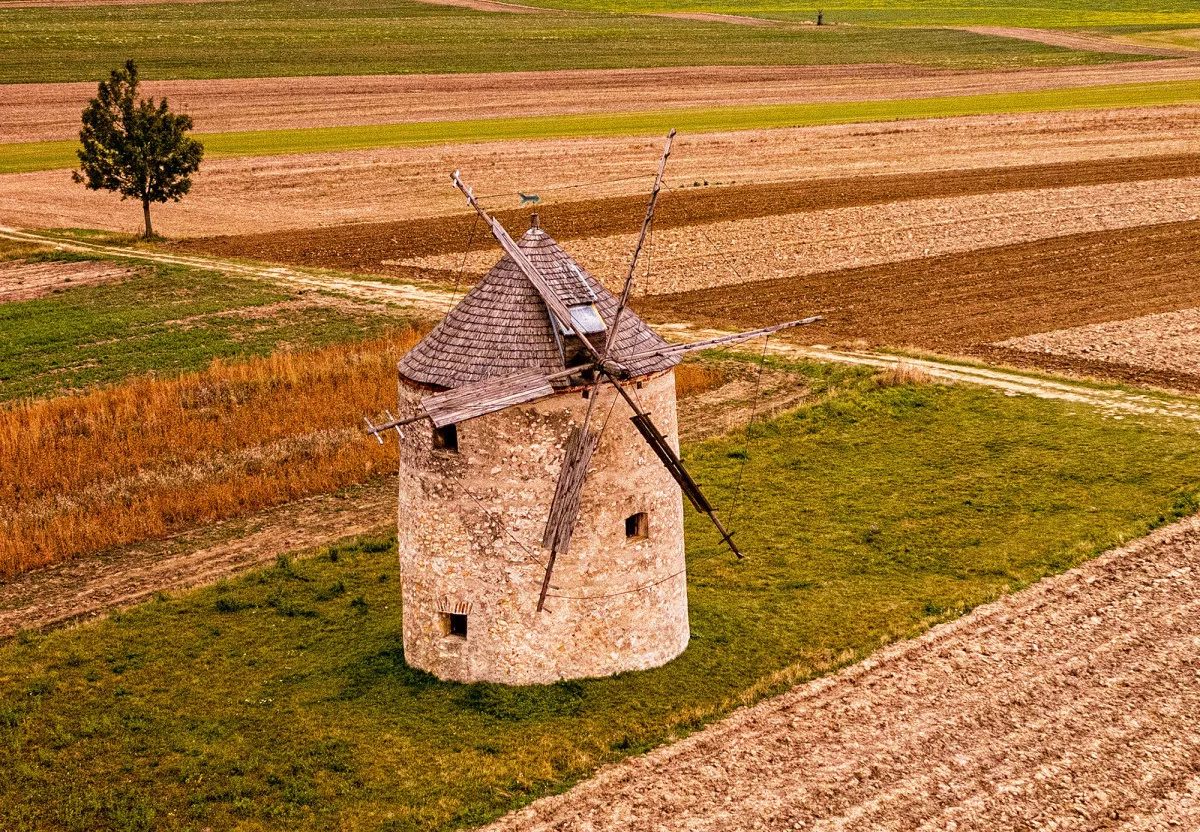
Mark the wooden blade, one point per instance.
(487, 396)
(720, 341)
(637, 250)
(564, 509)
(662, 448)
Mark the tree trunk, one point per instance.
(146, 214)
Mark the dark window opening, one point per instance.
(446, 439)
(455, 624)
(637, 526)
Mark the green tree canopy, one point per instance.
(136, 147)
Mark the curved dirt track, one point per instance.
(1074, 40)
(1068, 706)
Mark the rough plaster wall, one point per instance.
(454, 556)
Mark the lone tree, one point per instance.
(136, 147)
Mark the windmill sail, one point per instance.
(564, 510)
(658, 443)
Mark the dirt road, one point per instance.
(1068, 706)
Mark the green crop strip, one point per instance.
(33, 156)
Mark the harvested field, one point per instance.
(46, 112)
(1067, 706)
(1162, 349)
(688, 257)
(384, 247)
(948, 304)
(23, 281)
(308, 191)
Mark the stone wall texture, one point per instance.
(470, 534)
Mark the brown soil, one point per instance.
(97, 584)
(50, 4)
(1164, 347)
(1074, 40)
(23, 281)
(490, 6)
(951, 304)
(43, 112)
(378, 247)
(1068, 706)
(312, 190)
(711, 17)
(746, 250)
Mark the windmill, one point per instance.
(534, 330)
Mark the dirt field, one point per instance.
(1067, 706)
(310, 191)
(745, 250)
(386, 247)
(962, 302)
(23, 281)
(1164, 348)
(44, 112)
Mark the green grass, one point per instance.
(32, 156)
(1039, 14)
(282, 700)
(258, 38)
(166, 320)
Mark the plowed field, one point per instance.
(365, 247)
(961, 303)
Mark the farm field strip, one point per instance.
(699, 256)
(1031, 710)
(355, 190)
(1047, 14)
(50, 112)
(22, 281)
(24, 157)
(275, 38)
(961, 303)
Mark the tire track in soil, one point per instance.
(1068, 705)
(364, 247)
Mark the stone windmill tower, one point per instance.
(541, 490)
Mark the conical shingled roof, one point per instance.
(501, 326)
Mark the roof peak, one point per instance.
(501, 325)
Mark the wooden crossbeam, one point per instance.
(487, 396)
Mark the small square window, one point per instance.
(454, 624)
(446, 438)
(637, 526)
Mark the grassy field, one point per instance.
(256, 38)
(32, 156)
(1039, 14)
(167, 320)
(282, 700)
